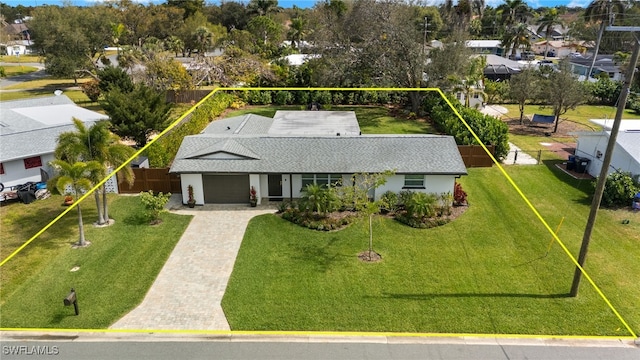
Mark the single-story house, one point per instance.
(604, 64)
(279, 156)
(29, 131)
(486, 47)
(18, 47)
(560, 49)
(626, 153)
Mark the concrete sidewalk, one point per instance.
(188, 292)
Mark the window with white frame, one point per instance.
(320, 179)
(413, 181)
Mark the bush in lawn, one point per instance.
(490, 130)
(445, 201)
(634, 103)
(605, 91)
(154, 204)
(282, 98)
(421, 205)
(321, 97)
(389, 202)
(338, 98)
(302, 97)
(256, 97)
(459, 195)
(91, 89)
(619, 189)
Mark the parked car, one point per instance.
(528, 55)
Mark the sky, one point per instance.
(299, 3)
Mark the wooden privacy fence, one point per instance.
(186, 96)
(158, 180)
(475, 156)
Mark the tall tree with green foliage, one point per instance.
(523, 87)
(547, 23)
(70, 37)
(79, 176)
(562, 91)
(137, 114)
(95, 143)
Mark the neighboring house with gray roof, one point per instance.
(279, 156)
(626, 152)
(29, 131)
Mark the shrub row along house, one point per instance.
(279, 156)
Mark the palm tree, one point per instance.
(478, 7)
(516, 37)
(602, 11)
(297, 31)
(203, 39)
(96, 143)
(78, 175)
(513, 12)
(547, 23)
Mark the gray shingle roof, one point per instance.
(31, 127)
(31, 114)
(240, 125)
(419, 154)
(31, 143)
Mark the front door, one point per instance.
(275, 186)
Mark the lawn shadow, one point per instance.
(323, 256)
(137, 219)
(583, 185)
(428, 296)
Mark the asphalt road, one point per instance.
(11, 80)
(312, 349)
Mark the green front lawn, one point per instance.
(372, 119)
(114, 274)
(486, 272)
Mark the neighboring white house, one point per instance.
(279, 156)
(626, 153)
(486, 47)
(29, 130)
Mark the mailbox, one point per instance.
(72, 299)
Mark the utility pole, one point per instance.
(597, 196)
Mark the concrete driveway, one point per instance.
(188, 291)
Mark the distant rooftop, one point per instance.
(607, 124)
(314, 123)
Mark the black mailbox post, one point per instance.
(72, 299)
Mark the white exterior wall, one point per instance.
(16, 174)
(195, 180)
(254, 180)
(589, 145)
(436, 184)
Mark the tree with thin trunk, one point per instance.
(96, 143)
(522, 87)
(548, 23)
(562, 91)
(515, 38)
(78, 175)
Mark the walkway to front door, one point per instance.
(188, 291)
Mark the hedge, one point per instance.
(490, 130)
(164, 150)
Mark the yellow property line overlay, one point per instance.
(475, 136)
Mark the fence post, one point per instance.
(515, 157)
(539, 156)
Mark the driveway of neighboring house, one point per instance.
(187, 293)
